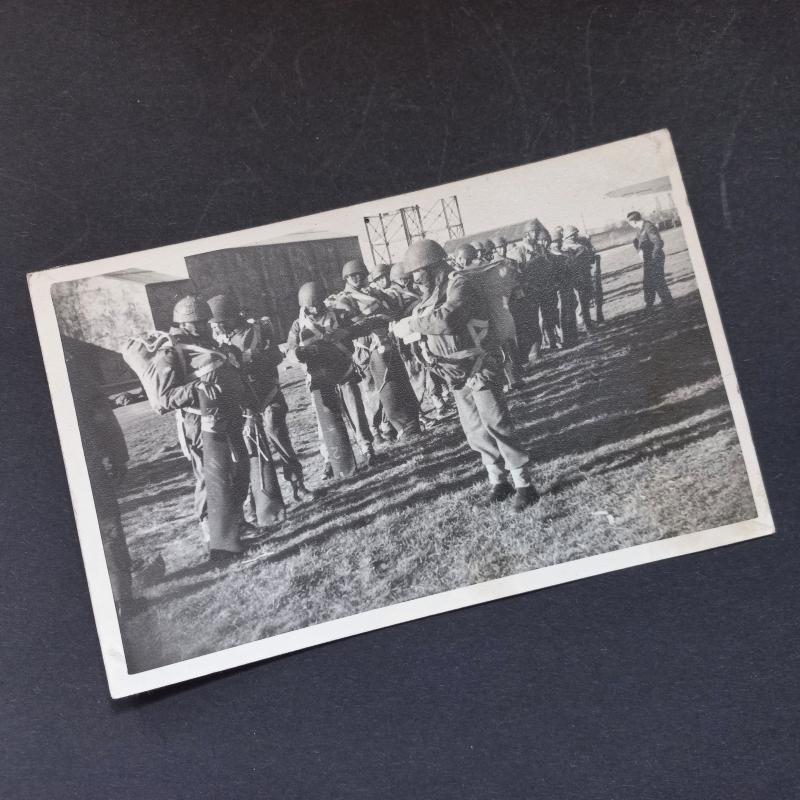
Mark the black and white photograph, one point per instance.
(290, 434)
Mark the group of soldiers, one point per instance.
(460, 329)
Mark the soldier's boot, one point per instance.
(369, 456)
(301, 492)
(388, 432)
(524, 497)
(411, 431)
(377, 436)
(499, 493)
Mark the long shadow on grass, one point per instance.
(612, 400)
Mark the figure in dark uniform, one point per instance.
(106, 457)
(650, 244)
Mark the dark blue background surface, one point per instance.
(128, 125)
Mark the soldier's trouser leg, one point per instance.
(569, 324)
(274, 419)
(489, 429)
(525, 311)
(585, 300)
(549, 306)
(511, 365)
(399, 403)
(598, 292)
(115, 547)
(658, 283)
(194, 449)
(240, 463)
(353, 408)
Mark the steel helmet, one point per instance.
(191, 309)
(467, 252)
(353, 267)
(397, 273)
(310, 295)
(224, 307)
(477, 245)
(422, 254)
(380, 269)
(499, 241)
(570, 230)
(558, 232)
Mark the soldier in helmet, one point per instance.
(537, 295)
(394, 409)
(580, 260)
(420, 374)
(190, 372)
(477, 245)
(260, 356)
(566, 288)
(649, 243)
(322, 339)
(452, 322)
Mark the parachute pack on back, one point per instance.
(496, 282)
(141, 353)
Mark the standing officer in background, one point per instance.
(260, 356)
(452, 322)
(650, 244)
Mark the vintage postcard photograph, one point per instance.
(291, 434)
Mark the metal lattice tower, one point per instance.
(391, 233)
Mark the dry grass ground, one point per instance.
(632, 441)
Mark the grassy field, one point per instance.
(632, 441)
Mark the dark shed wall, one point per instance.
(265, 278)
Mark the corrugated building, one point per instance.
(265, 277)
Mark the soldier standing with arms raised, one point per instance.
(260, 355)
(196, 379)
(453, 323)
(322, 339)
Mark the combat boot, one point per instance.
(498, 494)
(524, 497)
(369, 456)
(301, 493)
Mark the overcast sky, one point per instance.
(559, 191)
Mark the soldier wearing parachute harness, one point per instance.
(260, 355)
(321, 338)
(537, 295)
(393, 406)
(580, 260)
(196, 380)
(423, 379)
(453, 324)
(566, 288)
